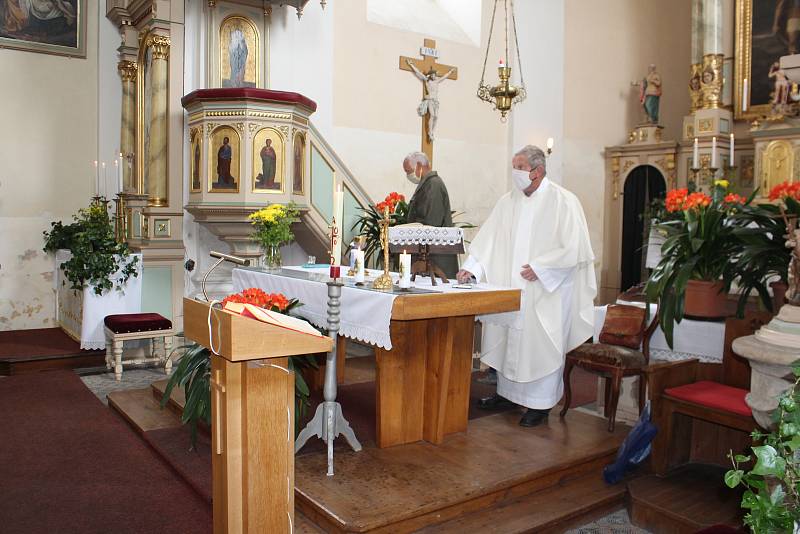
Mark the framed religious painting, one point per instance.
(298, 164)
(268, 161)
(46, 26)
(224, 160)
(765, 31)
(239, 53)
(195, 159)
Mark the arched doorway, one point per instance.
(643, 184)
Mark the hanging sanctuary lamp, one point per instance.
(503, 95)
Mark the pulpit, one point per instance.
(252, 416)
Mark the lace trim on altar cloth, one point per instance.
(93, 345)
(425, 235)
(369, 336)
(672, 356)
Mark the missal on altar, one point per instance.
(274, 318)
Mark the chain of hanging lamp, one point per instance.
(504, 95)
(267, 7)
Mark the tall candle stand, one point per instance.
(695, 172)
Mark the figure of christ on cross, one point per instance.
(431, 74)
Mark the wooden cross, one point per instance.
(218, 389)
(427, 65)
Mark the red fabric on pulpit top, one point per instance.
(249, 93)
(713, 395)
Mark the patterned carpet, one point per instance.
(102, 383)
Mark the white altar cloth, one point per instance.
(692, 339)
(81, 313)
(365, 314)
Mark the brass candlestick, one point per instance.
(384, 281)
(120, 230)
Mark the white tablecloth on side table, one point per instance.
(81, 313)
(704, 340)
(365, 314)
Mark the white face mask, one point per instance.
(522, 179)
(413, 178)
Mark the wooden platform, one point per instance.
(691, 498)
(43, 349)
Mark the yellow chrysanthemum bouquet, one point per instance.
(273, 228)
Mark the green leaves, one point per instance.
(733, 477)
(768, 462)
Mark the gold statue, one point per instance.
(384, 281)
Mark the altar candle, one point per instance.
(696, 154)
(550, 143)
(359, 265)
(120, 163)
(714, 152)
(335, 272)
(744, 95)
(116, 171)
(732, 143)
(105, 178)
(405, 270)
(96, 179)
(338, 215)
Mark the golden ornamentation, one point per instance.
(195, 117)
(643, 135)
(268, 115)
(160, 45)
(162, 228)
(285, 131)
(711, 80)
(671, 170)
(253, 127)
(628, 164)
(127, 70)
(695, 92)
(384, 281)
(689, 131)
(615, 176)
(658, 135)
(239, 126)
(632, 136)
(777, 164)
(705, 125)
(225, 113)
(210, 128)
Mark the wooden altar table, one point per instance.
(423, 375)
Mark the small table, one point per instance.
(423, 344)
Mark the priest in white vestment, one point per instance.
(535, 239)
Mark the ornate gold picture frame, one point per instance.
(298, 163)
(239, 52)
(269, 161)
(224, 160)
(58, 28)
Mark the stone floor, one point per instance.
(101, 383)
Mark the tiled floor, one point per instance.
(102, 383)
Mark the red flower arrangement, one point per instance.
(391, 201)
(733, 198)
(271, 301)
(682, 200)
(784, 190)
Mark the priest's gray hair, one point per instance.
(417, 157)
(535, 157)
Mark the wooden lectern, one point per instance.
(252, 417)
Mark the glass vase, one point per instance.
(272, 258)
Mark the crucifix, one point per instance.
(431, 74)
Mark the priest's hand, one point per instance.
(464, 277)
(528, 274)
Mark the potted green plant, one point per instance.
(97, 259)
(691, 277)
(193, 371)
(273, 229)
(770, 476)
(367, 224)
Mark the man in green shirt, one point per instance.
(430, 204)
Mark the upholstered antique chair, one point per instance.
(623, 350)
(130, 326)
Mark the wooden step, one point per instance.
(141, 410)
(689, 499)
(555, 509)
(177, 399)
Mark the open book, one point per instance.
(273, 318)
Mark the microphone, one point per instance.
(227, 257)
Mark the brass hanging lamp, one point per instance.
(503, 95)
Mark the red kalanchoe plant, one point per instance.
(276, 302)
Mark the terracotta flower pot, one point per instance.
(778, 294)
(705, 299)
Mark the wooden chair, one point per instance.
(689, 393)
(614, 357)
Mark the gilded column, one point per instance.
(696, 68)
(711, 78)
(127, 142)
(157, 164)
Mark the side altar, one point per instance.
(423, 343)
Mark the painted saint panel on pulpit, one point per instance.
(224, 157)
(195, 159)
(239, 51)
(298, 168)
(268, 161)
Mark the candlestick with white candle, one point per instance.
(96, 179)
(732, 143)
(744, 94)
(359, 265)
(120, 173)
(105, 178)
(696, 154)
(405, 270)
(714, 152)
(338, 216)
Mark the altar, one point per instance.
(423, 343)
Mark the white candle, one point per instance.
(732, 143)
(120, 178)
(96, 179)
(744, 95)
(696, 154)
(405, 270)
(359, 265)
(105, 178)
(714, 152)
(338, 215)
(550, 143)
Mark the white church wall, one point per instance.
(48, 143)
(607, 45)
